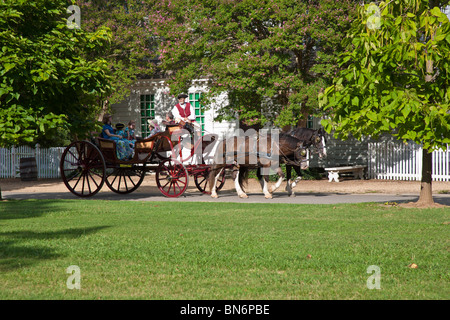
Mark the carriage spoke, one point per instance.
(96, 184)
(125, 179)
(82, 189)
(115, 177)
(74, 156)
(87, 181)
(167, 188)
(174, 184)
(78, 172)
(180, 181)
(131, 180)
(118, 183)
(91, 161)
(98, 175)
(74, 187)
(164, 186)
(201, 181)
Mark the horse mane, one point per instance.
(302, 132)
(288, 136)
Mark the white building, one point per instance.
(150, 99)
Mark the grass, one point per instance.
(172, 250)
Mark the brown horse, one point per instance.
(261, 151)
(311, 138)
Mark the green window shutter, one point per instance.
(194, 100)
(147, 112)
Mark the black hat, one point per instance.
(182, 96)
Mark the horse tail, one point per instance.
(243, 177)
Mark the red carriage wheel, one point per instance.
(172, 178)
(125, 178)
(201, 180)
(83, 168)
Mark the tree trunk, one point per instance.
(105, 106)
(426, 194)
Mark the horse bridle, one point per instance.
(316, 140)
(296, 161)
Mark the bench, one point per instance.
(333, 173)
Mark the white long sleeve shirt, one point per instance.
(177, 116)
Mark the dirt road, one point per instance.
(307, 191)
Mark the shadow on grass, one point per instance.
(15, 253)
(24, 209)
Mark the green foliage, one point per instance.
(274, 53)
(132, 53)
(50, 74)
(396, 77)
(20, 126)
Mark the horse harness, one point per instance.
(269, 155)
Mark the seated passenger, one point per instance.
(169, 119)
(130, 133)
(124, 150)
(153, 127)
(119, 130)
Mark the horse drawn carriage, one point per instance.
(87, 165)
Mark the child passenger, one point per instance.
(130, 132)
(119, 129)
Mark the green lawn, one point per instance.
(172, 250)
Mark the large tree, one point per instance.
(396, 79)
(51, 78)
(277, 53)
(132, 53)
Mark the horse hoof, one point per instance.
(243, 196)
(268, 196)
(292, 195)
(215, 196)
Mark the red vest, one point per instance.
(186, 112)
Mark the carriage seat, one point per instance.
(142, 151)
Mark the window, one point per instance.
(310, 122)
(198, 108)
(147, 112)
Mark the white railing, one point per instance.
(47, 161)
(400, 161)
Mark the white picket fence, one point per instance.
(399, 161)
(47, 161)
